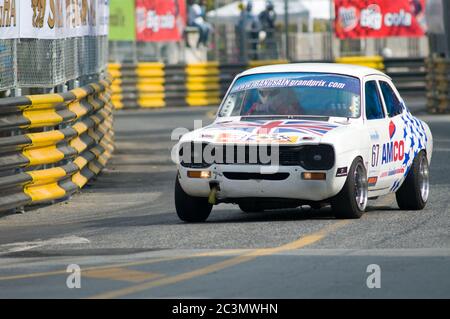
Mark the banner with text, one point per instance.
(160, 20)
(9, 23)
(357, 19)
(53, 19)
(122, 20)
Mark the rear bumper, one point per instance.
(293, 187)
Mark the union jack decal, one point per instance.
(281, 127)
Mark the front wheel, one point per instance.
(191, 209)
(351, 202)
(413, 195)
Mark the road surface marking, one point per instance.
(246, 257)
(121, 274)
(24, 246)
(129, 264)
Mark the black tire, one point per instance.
(345, 204)
(409, 196)
(250, 208)
(191, 209)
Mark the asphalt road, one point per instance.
(123, 233)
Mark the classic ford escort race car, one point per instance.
(305, 134)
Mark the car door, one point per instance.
(378, 128)
(395, 154)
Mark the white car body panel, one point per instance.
(387, 146)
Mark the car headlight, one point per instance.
(317, 157)
(192, 155)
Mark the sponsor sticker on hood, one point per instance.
(280, 132)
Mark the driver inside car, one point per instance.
(275, 101)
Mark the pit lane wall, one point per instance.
(155, 85)
(52, 145)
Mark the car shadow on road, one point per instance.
(296, 214)
(139, 216)
(281, 215)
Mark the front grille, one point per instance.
(256, 155)
(312, 157)
(278, 155)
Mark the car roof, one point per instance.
(335, 68)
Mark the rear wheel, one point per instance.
(191, 209)
(414, 193)
(351, 202)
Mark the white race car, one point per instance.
(305, 134)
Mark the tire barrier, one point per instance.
(203, 84)
(151, 85)
(438, 85)
(374, 62)
(51, 145)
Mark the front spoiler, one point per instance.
(294, 187)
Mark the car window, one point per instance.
(294, 94)
(374, 107)
(393, 104)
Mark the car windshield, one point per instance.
(294, 94)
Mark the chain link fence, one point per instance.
(39, 63)
(7, 64)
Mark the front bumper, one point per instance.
(293, 187)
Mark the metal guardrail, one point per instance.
(51, 145)
(408, 74)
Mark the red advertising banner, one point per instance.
(160, 20)
(357, 19)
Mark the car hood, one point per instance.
(283, 132)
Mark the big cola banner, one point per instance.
(379, 18)
(160, 20)
(53, 19)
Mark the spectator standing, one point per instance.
(248, 29)
(267, 21)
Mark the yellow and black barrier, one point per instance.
(374, 62)
(153, 85)
(53, 144)
(150, 85)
